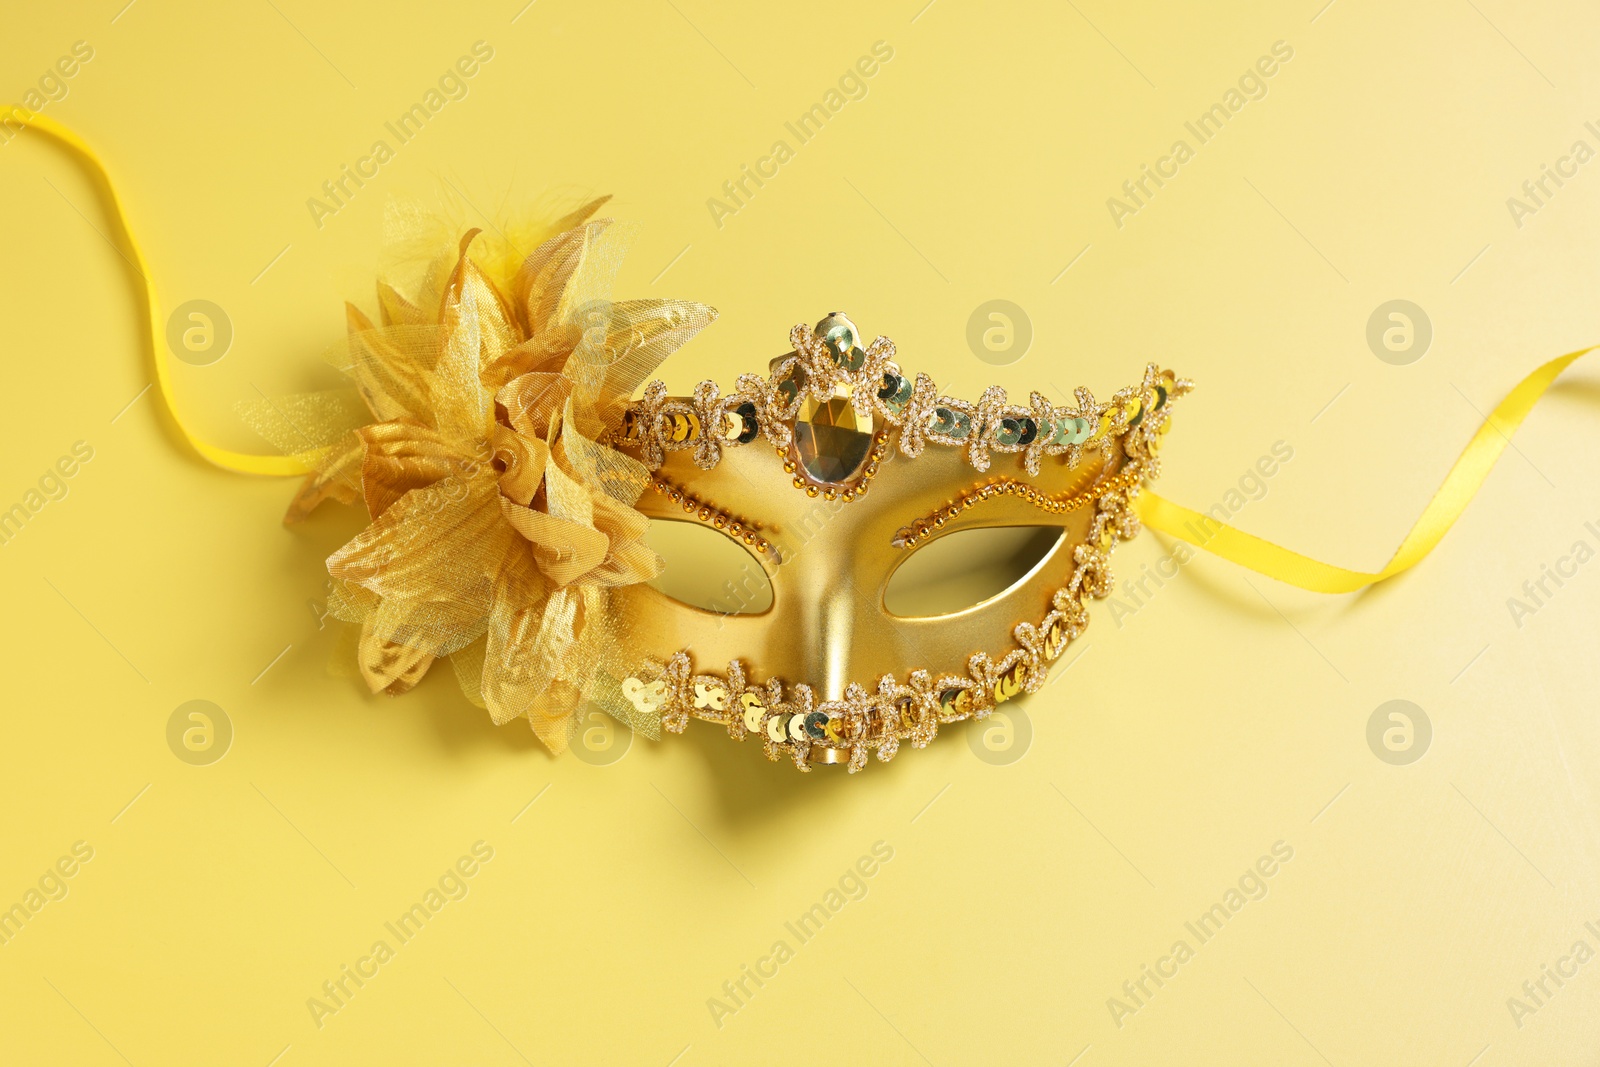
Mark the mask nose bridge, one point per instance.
(828, 593)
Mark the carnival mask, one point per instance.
(832, 470)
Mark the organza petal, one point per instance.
(638, 335)
(309, 426)
(530, 401)
(402, 455)
(477, 331)
(541, 284)
(391, 365)
(337, 476)
(430, 559)
(396, 310)
(566, 551)
(388, 667)
(511, 674)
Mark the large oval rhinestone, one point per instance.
(831, 440)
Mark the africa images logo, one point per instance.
(1252, 85)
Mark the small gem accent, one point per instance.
(956, 701)
(749, 425)
(843, 341)
(896, 391)
(754, 709)
(949, 422)
(790, 385)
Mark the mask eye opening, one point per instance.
(707, 568)
(965, 569)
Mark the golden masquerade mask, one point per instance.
(783, 465)
(510, 474)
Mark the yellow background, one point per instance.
(1221, 717)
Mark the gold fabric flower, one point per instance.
(504, 533)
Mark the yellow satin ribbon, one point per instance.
(243, 462)
(1451, 499)
(1158, 513)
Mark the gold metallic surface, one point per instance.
(827, 625)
